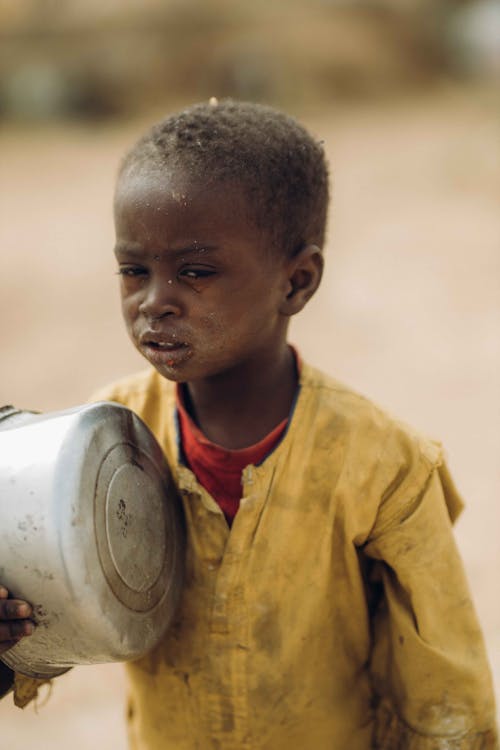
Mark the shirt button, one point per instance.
(212, 564)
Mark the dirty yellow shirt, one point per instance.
(334, 614)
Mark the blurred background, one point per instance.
(405, 96)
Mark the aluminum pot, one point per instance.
(91, 534)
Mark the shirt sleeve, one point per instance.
(429, 665)
(24, 689)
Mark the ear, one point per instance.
(304, 275)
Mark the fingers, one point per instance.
(14, 609)
(15, 629)
(14, 622)
(12, 633)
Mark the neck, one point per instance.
(240, 407)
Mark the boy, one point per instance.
(325, 604)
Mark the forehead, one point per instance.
(147, 200)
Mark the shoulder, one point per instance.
(373, 443)
(377, 454)
(355, 418)
(152, 398)
(145, 392)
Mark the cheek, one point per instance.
(214, 322)
(129, 309)
(223, 324)
(231, 329)
(215, 333)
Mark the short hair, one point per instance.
(281, 168)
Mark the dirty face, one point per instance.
(202, 294)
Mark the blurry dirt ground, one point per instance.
(409, 313)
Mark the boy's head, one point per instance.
(276, 163)
(220, 216)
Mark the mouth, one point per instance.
(163, 350)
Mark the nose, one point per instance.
(159, 300)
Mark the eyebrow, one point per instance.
(126, 250)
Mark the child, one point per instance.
(325, 604)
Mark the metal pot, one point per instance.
(91, 534)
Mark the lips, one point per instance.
(162, 349)
(162, 341)
(164, 346)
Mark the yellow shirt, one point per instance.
(334, 614)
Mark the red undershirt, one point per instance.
(219, 469)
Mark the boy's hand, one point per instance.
(14, 620)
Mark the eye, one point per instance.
(132, 271)
(196, 272)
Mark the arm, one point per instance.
(429, 665)
(6, 679)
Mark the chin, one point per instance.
(171, 374)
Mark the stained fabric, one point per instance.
(335, 613)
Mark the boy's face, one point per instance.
(201, 292)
